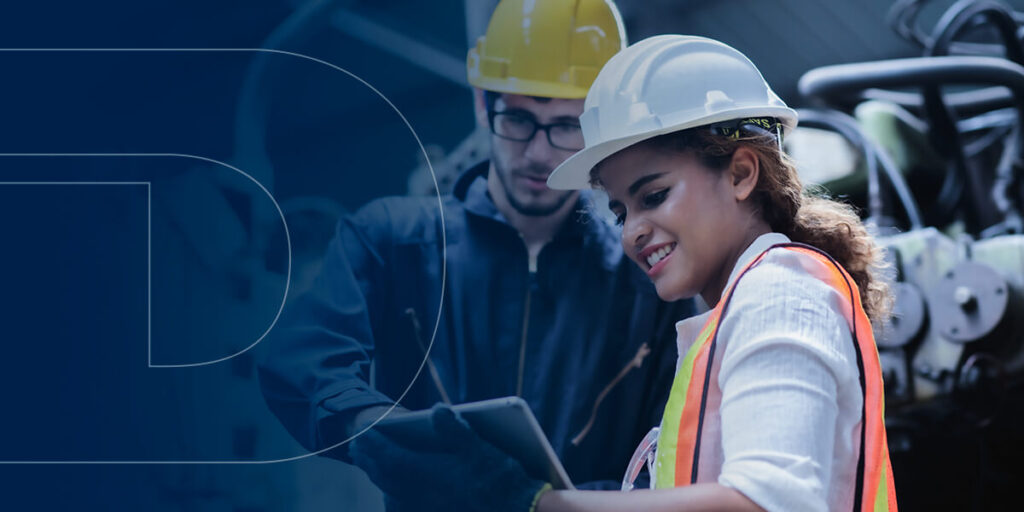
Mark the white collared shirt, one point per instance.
(786, 432)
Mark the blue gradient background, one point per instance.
(189, 262)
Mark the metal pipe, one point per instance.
(832, 82)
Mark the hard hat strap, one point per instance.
(758, 125)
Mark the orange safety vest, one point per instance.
(678, 451)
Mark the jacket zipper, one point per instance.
(636, 362)
(526, 321)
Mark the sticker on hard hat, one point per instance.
(758, 125)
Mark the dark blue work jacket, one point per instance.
(570, 338)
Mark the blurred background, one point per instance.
(166, 188)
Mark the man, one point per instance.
(538, 300)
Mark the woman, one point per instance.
(777, 401)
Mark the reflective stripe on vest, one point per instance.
(678, 454)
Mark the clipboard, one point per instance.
(507, 423)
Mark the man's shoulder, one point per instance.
(405, 219)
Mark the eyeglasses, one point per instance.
(522, 128)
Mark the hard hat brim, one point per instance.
(574, 172)
(535, 88)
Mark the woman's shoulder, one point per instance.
(785, 301)
(785, 273)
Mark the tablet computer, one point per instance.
(506, 423)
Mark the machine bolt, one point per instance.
(965, 298)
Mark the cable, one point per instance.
(902, 19)
(836, 122)
(978, 146)
(873, 155)
(963, 103)
(944, 133)
(965, 12)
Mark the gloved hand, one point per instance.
(454, 469)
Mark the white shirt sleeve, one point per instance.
(787, 369)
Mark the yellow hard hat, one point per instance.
(548, 48)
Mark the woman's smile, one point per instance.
(656, 257)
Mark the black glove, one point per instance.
(451, 469)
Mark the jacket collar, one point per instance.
(471, 190)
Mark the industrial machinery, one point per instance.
(946, 131)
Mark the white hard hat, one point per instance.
(666, 84)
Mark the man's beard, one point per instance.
(527, 210)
